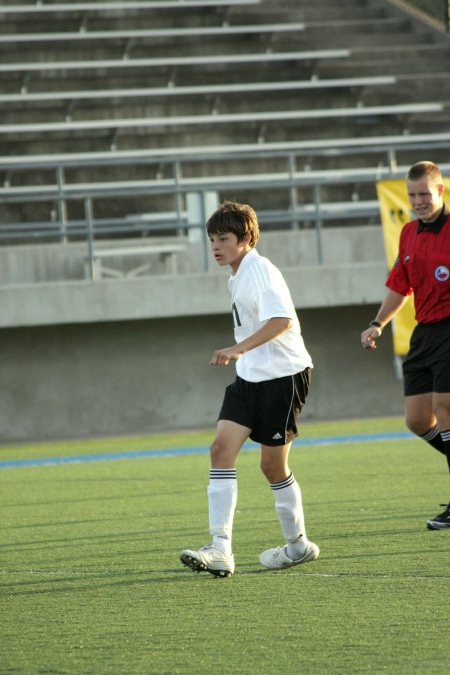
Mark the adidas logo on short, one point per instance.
(277, 437)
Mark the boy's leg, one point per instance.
(289, 508)
(287, 495)
(217, 557)
(222, 488)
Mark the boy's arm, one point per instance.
(272, 329)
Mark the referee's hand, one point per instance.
(369, 336)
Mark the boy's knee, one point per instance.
(215, 450)
(272, 470)
(222, 455)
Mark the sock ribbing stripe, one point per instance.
(284, 483)
(222, 474)
(432, 433)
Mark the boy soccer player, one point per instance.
(265, 400)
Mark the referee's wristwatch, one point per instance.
(376, 324)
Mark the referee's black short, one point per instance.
(426, 367)
(270, 408)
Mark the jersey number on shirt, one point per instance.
(237, 321)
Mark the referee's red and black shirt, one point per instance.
(423, 267)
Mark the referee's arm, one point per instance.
(392, 303)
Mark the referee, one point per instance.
(423, 268)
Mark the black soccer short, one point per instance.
(270, 408)
(426, 367)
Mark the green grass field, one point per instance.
(91, 581)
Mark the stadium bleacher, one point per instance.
(235, 96)
(312, 102)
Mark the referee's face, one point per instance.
(426, 198)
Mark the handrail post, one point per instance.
(392, 160)
(293, 192)
(316, 192)
(203, 231)
(62, 205)
(176, 171)
(89, 235)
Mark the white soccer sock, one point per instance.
(222, 499)
(288, 505)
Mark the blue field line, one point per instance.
(174, 452)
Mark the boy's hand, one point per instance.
(222, 357)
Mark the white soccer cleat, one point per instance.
(278, 559)
(209, 558)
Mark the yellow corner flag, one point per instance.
(395, 213)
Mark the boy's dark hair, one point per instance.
(240, 219)
(424, 170)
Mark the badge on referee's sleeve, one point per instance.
(442, 273)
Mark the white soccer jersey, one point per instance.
(259, 293)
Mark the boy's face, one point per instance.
(426, 198)
(227, 250)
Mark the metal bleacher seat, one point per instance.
(299, 98)
(309, 147)
(178, 60)
(146, 33)
(117, 5)
(228, 118)
(206, 89)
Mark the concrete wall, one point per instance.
(36, 288)
(136, 377)
(30, 263)
(165, 296)
(81, 358)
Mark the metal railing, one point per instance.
(58, 194)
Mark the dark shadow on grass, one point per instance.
(128, 535)
(101, 581)
(382, 554)
(86, 500)
(95, 582)
(364, 534)
(57, 523)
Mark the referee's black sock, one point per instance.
(434, 438)
(446, 441)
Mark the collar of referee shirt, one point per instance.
(436, 225)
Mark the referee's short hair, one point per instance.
(424, 169)
(240, 219)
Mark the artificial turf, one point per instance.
(91, 581)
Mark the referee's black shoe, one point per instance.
(440, 522)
